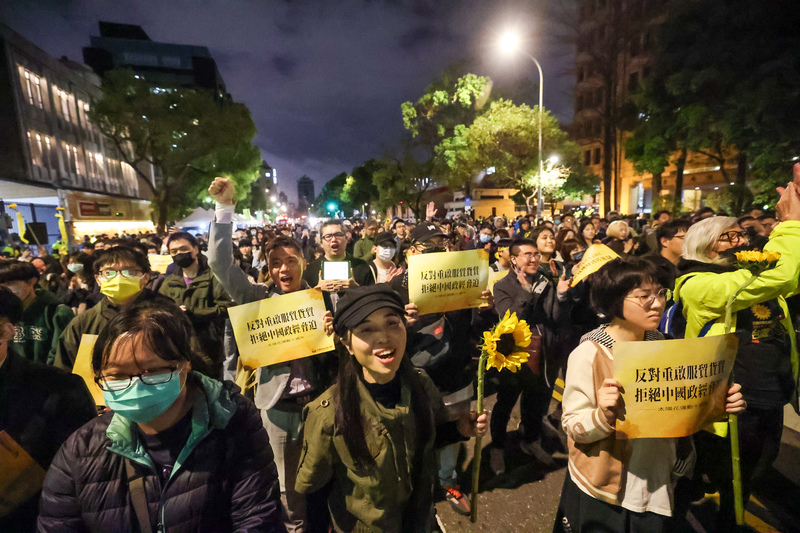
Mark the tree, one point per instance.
(402, 180)
(188, 135)
(506, 137)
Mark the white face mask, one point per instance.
(385, 253)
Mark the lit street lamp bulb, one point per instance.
(509, 42)
(554, 159)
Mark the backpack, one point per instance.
(673, 322)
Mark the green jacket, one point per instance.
(394, 495)
(36, 335)
(206, 306)
(363, 249)
(705, 294)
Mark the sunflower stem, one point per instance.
(476, 454)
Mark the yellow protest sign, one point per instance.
(673, 388)
(596, 256)
(494, 277)
(83, 367)
(22, 476)
(280, 329)
(159, 263)
(447, 281)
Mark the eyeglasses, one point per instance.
(129, 273)
(647, 300)
(731, 236)
(531, 255)
(330, 236)
(151, 377)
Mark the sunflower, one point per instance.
(761, 311)
(502, 346)
(757, 262)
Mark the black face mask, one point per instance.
(183, 260)
(731, 252)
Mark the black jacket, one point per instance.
(40, 406)
(227, 482)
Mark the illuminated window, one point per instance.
(48, 162)
(28, 86)
(77, 163)
(39, 100)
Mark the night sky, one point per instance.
(324, 79)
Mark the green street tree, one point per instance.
(349, 191)
(403, 180)
(188, 135)
(506, 137)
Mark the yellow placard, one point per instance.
(280, 329)
(447, 281)
(159, 263)
(595, 256)
(22, 476)
(673, 388)
(494, 277)
(83, 367)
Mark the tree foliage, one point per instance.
(188, 135)
(506, 138)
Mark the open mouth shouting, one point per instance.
(385, 356)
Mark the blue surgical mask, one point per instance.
(142, 403)
(485, 238)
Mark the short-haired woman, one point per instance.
(767, 359)
(369, 439)
(617, 485)
(177, 451)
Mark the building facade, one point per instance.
(305, 191)
(614, 53)
(161, 64)
(52, 156)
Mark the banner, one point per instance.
(494, 277)
(280, 329)
(447, 281)
(83, 367)
(22, 476)
(159, 263)
(596, 256)
(673, 388)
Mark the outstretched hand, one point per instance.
(788, 207)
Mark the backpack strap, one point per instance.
(138, 497)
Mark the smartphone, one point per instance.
(335, 270)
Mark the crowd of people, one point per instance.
(368, 436)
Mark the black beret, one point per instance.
(358, 303)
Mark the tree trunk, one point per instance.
(741, 169)
(680, 164)
(657, 184)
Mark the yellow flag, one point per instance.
(22, 476)
(596, 256)
(280, 329)
(83, 367)
(447, 281)
(62, 227)
(494, 277)
(673, 388)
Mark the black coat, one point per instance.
(227, 483)
(40, 406)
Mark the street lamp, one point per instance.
(509, 42)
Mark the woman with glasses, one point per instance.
(767, 360)
(617, 485)
(177, 451)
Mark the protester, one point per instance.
(334, 242)
(613, 484)
(503, 256)
(370, 438)
(670, 237)
(177, 450)
(282, 389)
(545, 241)
(382, 269)
(363, 247)
(587, 233)
(40, 406)
(44, 318)
(83, 292)
(767, 359)
(199, 294)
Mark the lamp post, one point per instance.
(510, 43)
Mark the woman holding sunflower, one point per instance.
(370, 439)
(767, 358)
(617, 485)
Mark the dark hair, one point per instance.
(561, 236)
(487, 225)
(10, 305)
(567, 247)
(668, 230)
(17, 271)
(581, 227)
(612, 283)
(766, 215)
(282, 241)
(183, 236)
(158, 323)
(120, 253)
(539, 230)
(657, 214)
(347, 402)
(84, 259)
(327, 223)
(515, 245)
